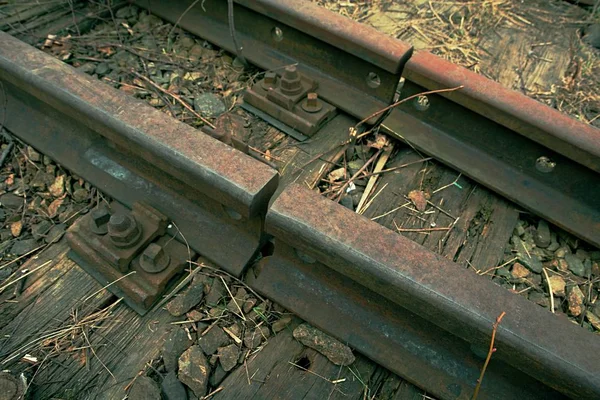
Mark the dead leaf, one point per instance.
(16, 228)
(107, 50)
(53, 207)
(10, 180)
(337, 174)
(379, 143)
(419, 199)
(57, 188)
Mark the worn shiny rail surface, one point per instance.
(372, 288)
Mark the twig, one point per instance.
(549, 290)
(24, 275)
(373, 179)
(106, 287)
(242, 316)
(489, 355)
(181, 17)
(434, 229)
(174, 96)
(396, 104)
(345, 185)
(238, 47)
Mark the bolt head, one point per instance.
(269, 81)
(291, 83)
(154, 259)
(99, 220)
(123, 230)
(312, 104)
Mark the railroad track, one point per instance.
(402, 305)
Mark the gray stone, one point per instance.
(253, 338)
(209, 105)
(103, 69)
(539, 298)
(41, 229)
(217, 376)
(177, 342)
(144, 388)
(228, 356)
(347, 202)
(9, 200)
(335, 351)
(172, 388)
(41, 179)
(5, 273)
(33, 154)
(212, 340)
(575, 265)
(187, 299)
(592, 35)
(80, 195)
(582, 254)
(56, 232)
(23, 247)
(281, 323)
(355, 165)
(216, 292)
(542, 237)
(562, 251)
(196, 52)
(503, 273)
(194, 370)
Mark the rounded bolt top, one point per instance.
(154, 259)
(99, 220)
(123, 230)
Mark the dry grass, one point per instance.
(466, 32)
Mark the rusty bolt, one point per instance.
(312, 104)
(270, 80)
(99, 220)
(290, 81)
(123, 230)
(154, 259)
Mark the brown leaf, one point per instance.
(10, 180)
(107, 50)
(419, 199)
(16, 228)
(53, 207)
(57, 188)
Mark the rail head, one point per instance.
(188, 155)
(457, 300)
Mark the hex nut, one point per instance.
(154, 259)
(123, 230)
(290, 83)
(98, 222)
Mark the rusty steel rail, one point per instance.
(414, 311)
(215, 195)
(496, 136)
(407, 308)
